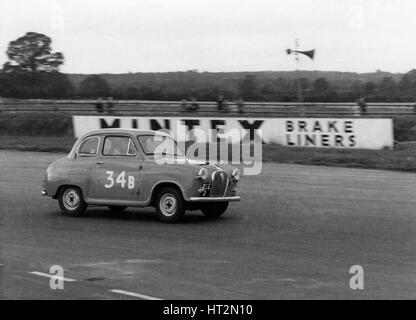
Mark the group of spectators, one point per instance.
(222, 105)
(105, 106)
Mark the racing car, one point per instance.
(121, 168)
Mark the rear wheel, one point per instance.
(169, 205)
(214, 210)
(71, 201)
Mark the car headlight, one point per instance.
(235, 174)
(202, 174)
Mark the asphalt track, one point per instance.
(296, 234)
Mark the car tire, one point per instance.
(71, 201)
(117, 209)
(170, 206)
(214, 210)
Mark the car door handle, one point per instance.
(99, 162)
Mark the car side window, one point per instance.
(88, 147)
(119, 146)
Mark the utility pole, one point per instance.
(296, 52)
(298, 80)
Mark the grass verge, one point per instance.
(403, 159)
(37, 143)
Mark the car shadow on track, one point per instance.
(144, 215)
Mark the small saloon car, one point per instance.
(122, 168)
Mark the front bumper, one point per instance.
(214, 199)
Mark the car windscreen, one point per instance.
(88, 147)
(159, 145)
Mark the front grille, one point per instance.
(219, 184)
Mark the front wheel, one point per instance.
(169, 205)
(215, 209)
(71, 201)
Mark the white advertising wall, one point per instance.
(358, 133)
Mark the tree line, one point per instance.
(33, 72)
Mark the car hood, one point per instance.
(57, 162)
(210, 165)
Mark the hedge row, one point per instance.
(37, 124)
(405, 129)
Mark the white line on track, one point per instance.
(136, 295)
(47, 275)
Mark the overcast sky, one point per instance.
(117, 36)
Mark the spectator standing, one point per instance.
(110, 105)
(220, 102)
(225, 105)
(363, 106)
(99, 106)
(184, 104)
(194, 104)
(240, 105)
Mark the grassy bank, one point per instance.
(403, 159)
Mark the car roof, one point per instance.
(126, 131)
(134, 132)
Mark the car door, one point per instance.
(117, 171)
(83, 166)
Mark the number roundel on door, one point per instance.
(121, 180)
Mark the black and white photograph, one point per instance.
(207, 154)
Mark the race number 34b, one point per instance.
(120, 180)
